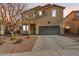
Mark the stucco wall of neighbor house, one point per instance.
(73, 21)
(2, 28)
(76, 17)
(54, 21)
(68, 19)
(71, 16)
(75, 26)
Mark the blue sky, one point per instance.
(67, 10)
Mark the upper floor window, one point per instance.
(77, 14)
(40, 13)
(54, 13)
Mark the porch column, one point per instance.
(29, 31)
(61, 30)
(37, 29)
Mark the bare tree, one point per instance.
(10, 14)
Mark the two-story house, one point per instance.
(71, 22)
(42, 20)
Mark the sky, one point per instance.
(68, 6)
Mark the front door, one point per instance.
(33, 28)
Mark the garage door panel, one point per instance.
(45, 30)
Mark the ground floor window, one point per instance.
(25, 27)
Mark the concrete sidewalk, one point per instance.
(58, 52)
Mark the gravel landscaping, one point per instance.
(22, 46)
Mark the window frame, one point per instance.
(25, 27)
(54, 12)
(34, 15)
(77, 14)
(40, 13)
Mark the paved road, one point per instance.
(52, 42)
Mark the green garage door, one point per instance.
(49, 30)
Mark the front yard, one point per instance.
(24, 45)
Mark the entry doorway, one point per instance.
(67, 30)
(33, 29)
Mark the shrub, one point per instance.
(28, 37)
(13, 37)
(1, 42)
(18, 41)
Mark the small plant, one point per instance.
(28, 36)
(1, 42)
(13, 37)
(18, 41)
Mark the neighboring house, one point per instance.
(71, 23)
(2, 28)
(42, 20)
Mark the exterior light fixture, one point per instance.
(67, 27)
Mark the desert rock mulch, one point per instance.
(24, 46)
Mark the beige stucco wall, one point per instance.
(43, 20)
(54, 21)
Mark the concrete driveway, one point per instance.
(53, 42)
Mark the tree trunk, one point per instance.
(13, 37)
